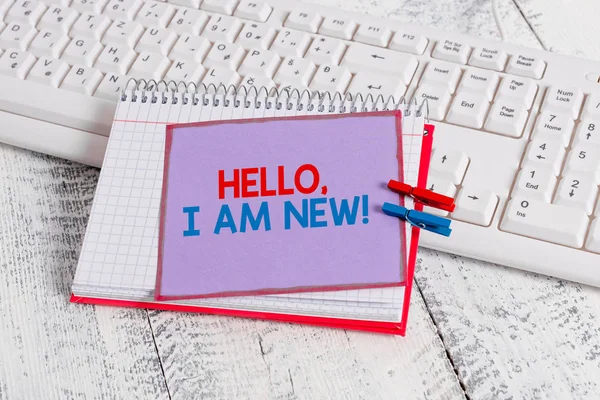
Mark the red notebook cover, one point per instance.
(361, 325)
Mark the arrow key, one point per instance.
(577, 189)
(441, 186)
(450, 165)
(548, 152)
(475, 206)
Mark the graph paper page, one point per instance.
(119, 254)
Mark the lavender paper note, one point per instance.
(278, 205)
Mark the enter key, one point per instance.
(475, 206)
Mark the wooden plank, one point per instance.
(513, 334)
(51, 349)
(470, 17)
(225, 358)
(565, 27)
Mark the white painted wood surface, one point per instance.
(476, 330)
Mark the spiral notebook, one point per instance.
(118, 260)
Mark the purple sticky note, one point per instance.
(280, 205)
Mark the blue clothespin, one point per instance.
(429, 222)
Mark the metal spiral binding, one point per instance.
(165, 91)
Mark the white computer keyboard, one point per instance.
(518, 130)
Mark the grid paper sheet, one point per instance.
(119, 254)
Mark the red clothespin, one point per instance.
(424, 196)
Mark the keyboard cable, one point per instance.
(499, 23)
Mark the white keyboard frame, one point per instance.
(484, 243)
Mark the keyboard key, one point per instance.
(219, 6)
(291, 43)
(507, 117)
(89, 6)
(255, 35)
(26, 12)
(188, 21)
(593, 241)
(115, 58)
(58, 18)
(82, 79)
(523, 89)
(438, 98)
(549, 222)
(360, 57)
(122, 9)
(529, 66)
(226, 55)
(563, 100)
(260, 62)
(577, 189)
(289, 86)
(222, 28)
(254, 10)
(588, 131)
(186, 3)
(584, 157)
(546, 152)
(82, 50)
(90, 25)
(303, 20)
(123, 31)
(220, 75)
(488, 58)
(258, 81)
(191, 48)
(451, 50)
(372, 34)
(5, 5)
(338, 27)
(475, 206)
(295, 71)
(331, 78)
(49, 43)
(409, 43)
(156, 40)
(554, 126)
(441, 186)
(17, 35)
(592, 106)
(377, 84)
(468, 109)
(155, 14)
(324, 50)
(450, 165)
(185, 71)
(535, 182)
(48, 71)
(111, 86)
(150, 66)
(16, 63)
(441, 74)
(480, 81)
